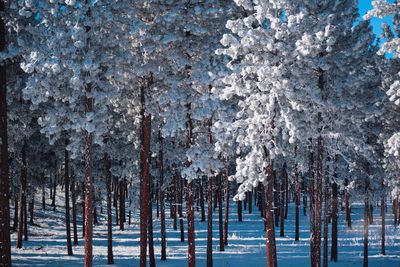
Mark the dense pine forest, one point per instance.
(199, 132)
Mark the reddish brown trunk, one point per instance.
(150, 228)
(335, 210)
(270, 231)
(276, 200)
(326, 221)
(202, 209)
(144, 186)
(311, 190)
(180, 209)
(107, 174)
(5, 243)
(318, 204)
(175, 203)
(67, 214)
(22, 198)
(88, 224)
(190, 219)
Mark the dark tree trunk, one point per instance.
(287, 183)
(116, 197)
(175, 202)
(311, 185)
(121, 205)
(67, 214)
(145, 183)
(276, 200)
(326, 221)
(162, 200)
(88, 223)
(318, 204)
(25, 221)
(304, 192)
(395, 213)
(31, 208)
(180, 193)
(5, 242)
(347, 206)
(74, 214)
(209, 221)
(190, 219)
(53, 197)
(249, 199)
(383, 213)
(227, 198)
(297, 203)
(220, 217)
(22, 198)
(282, 202)
(202, 209)
(16, 209)
(335, 210)
(107, 174)
(239, 209)
(150, 228)
(366, 215)
(43, 193)
(270, 231)
(371, 214)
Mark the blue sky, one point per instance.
(364, 6)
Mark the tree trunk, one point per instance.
(304, 192)
(395, 209)
(227, 198)
(53, 197)
(22, 198)
(175, 202)
(270, 231)
(88, 223)
(366, 219)
(190, 218)
(162, 200)
(287, 183)
(282, 202)
(276, 200)
(239, 209)
(335, 210)
(250, 199)
(43, 193)
(67, 214)
(180, 193)
(74, 215)
(318, 204)
(326, 221)
(16, 209)
(150, 228)
(144, 184)
(383, 213)
(209, 221)
(5, 242)
(347, 206)
(371, 214)
(107, 174)
(297, 203)
(220, 217)
(121, 205)
(31, 208)
(311, 185)
(202, 209)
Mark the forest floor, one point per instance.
(47, 241)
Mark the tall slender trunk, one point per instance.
(220, 217)
(74, 215)
(347, 206)
(31, 208)
(150, 227)
(202, 208)
(250, 200)
(5, 242)
(175, 202)
(383, 213)
(107, 174)
(190, 219)
(209, 221)
(335, 211)
(326, 221)
(180, 208)
(311, 185)
(83, 210)
(22, 198)
(239, 210)
(366, 219)
(276, 200)
(297, 202)
(282, 202)
(121, 205)
(270, 232)
(304, 192)
(227, 198)
(162, 200)
(16, 209)
(287, 183)
(395, 211)
(67, 214)
(144, 172)
(43, 192)
(25, 221)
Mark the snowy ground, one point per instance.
(47, 246)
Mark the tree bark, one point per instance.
(144, 186)
(190, 218)
(162, 200)
(282, 202)
(67, 214)
(5, 241)
(43, 192)
(227, 198)
(180, 208)
(270, 231)
(347, 205)
(202, 208)
(22, 197)
(209, 221)
(220, 217)
(121, 205)
(335, 211)
(297, 203)
(150, 228)
(366, 219)
(107, 174)
(74, 214)
(383, 213)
